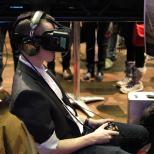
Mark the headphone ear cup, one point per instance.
(31, 45)
(33, 51)
(30, 50)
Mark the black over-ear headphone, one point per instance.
(58, 39)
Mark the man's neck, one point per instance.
(34, 60)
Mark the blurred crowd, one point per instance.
(102, 40)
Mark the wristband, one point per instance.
(86, 122)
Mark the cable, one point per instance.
(86, 126)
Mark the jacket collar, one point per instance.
(40, 81)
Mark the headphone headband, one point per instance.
(35, 20)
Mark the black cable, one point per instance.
(86, 126)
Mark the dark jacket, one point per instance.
(34, 102)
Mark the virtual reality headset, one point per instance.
(57, 39)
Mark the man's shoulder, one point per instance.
(24, 81)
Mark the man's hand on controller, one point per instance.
(101, 135)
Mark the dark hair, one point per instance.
(22, 24)
(23, 27)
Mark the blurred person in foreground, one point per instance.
(14, 136)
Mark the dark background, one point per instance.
(76, 9)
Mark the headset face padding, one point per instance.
(55, 40)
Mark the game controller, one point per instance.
(111, 126)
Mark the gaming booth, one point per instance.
(76, 11)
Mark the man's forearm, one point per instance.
(71, 145)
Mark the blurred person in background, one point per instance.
(3, 31)
(91, 40)
(135, 62)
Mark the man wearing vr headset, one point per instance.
(39, 100)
